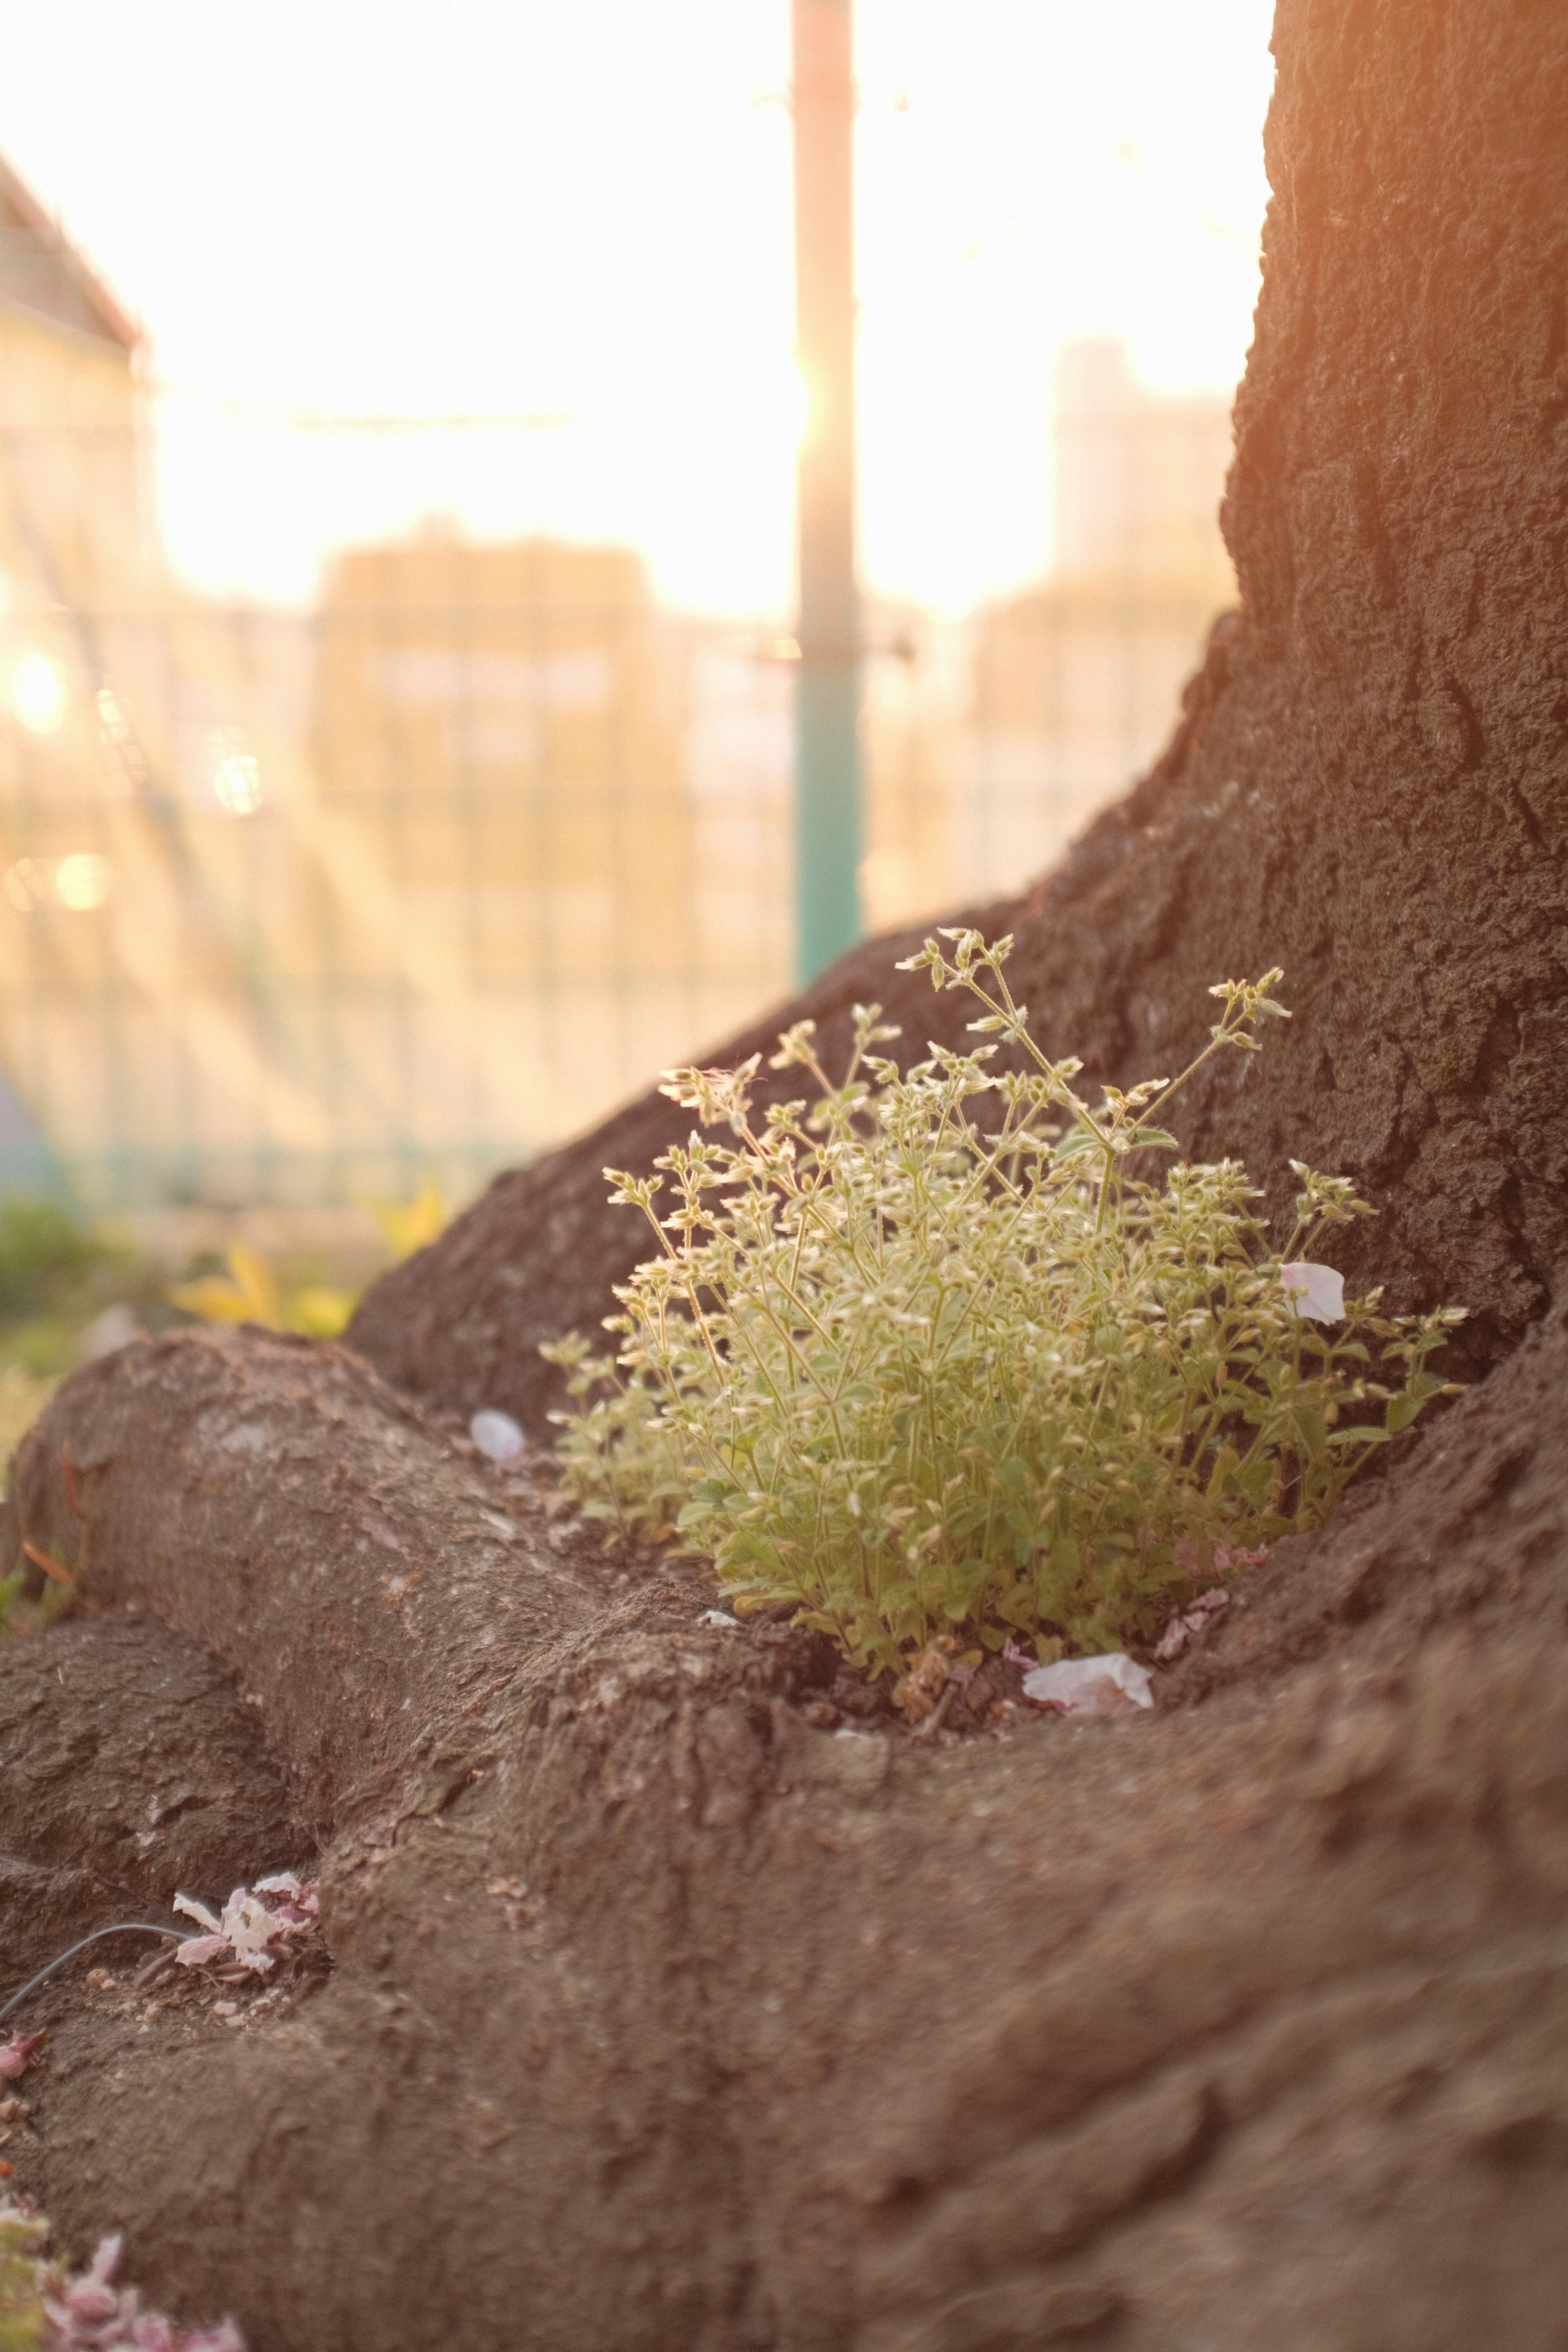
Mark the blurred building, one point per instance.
(73, 521)
(1138, 477)
(500, 723)
(297, 907)
(499, 769)
(1074, 684)
(139, 1022)
(73, 546)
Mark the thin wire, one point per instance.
(121, 1927)
(322, 420)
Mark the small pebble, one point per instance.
(496, 1434)
(225, 2007)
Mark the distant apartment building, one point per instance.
(73, 547)
(501, 721)
(141, 925)
(1139, 478)
(298, 907)
(73, 520)
(499, 754)
(1075, 684)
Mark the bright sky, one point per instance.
(516, 205)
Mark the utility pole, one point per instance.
(828, 681)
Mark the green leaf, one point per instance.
(1073, 1144)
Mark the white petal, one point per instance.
(248, 1925)
(717, 1617)
(1108, 1686)
(1316, 1291)
(199, 1913)
(197, 1949)
(496, 1434)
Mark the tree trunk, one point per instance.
(1368, 785)
(659, 2015)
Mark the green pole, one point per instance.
(828, 680)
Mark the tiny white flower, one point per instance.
(1317, 1291)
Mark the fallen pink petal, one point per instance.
(1190, 1621)
(248, 1930)
(1113, 1684)
(197, 1949)
(85, 2311)
(16, 2055)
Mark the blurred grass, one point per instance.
(68, 1292)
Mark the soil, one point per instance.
(648, 2009)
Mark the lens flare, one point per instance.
(236, 781)
(81, 881)
(39, 693)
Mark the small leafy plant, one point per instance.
(932, 1378)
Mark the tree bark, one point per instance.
(659, 2016)
(1367, 787)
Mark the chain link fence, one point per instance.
(298, 908)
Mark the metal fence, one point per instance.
(293, 908)
(296, 906)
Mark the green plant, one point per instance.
(21, 1612)
(926, 1377)
(251, 1293)
(45, 1257)
(45, 2304)
(57, 1274)
(23, 1397)
(22, 2280)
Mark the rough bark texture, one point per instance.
(1368, 786)
(657, 2014)
(661, 2017)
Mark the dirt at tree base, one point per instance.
(658, 2016)
(651, 2012)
